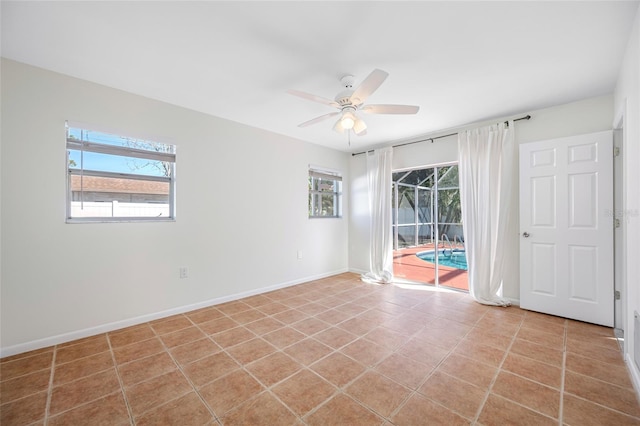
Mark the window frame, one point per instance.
(116, 150)
(316, 195)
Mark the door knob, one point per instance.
(525, 234)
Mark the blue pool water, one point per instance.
(454, 258)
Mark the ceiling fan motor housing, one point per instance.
(344, 97)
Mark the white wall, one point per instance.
(627, 107)
(586, 116)
(241, 214)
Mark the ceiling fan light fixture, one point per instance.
(359, 126)
(348, 120)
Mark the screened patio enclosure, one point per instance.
(427, 227)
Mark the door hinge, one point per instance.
(616, 151)
(616, 223)
(616, 294)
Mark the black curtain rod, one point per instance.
(526, 117)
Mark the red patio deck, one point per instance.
(408, 266)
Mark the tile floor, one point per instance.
(333, 351)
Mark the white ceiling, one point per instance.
(461, 62)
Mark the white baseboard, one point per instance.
(634, 373)
(92, 331)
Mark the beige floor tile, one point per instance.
(386, 337)
(129, 336)
(459, 396)
(188, 409)
(218, 325)
(588, 350)
(273, 368)
(264, 325)
(204, 315)
(603, 393)
(87, 389)
(193, 351)
(537, 352)
(182, 336)
(273, 308)
(404, 370)
(251, 350)
(555, 341)
(308, 351)
(171, 324)
(290, 316)
(422, 411)
(210, 368)
(284, 337)
(343, 410)
(338, 369)
(264, 409)
(579, 412)
(424, 352)
(310, 326)
(248, 316)
(82, 367)
(377, 392)
(533, 370)
(88, 347)
(533, 395)
(149, 395)
(365, 352)
(480, 352)
(110, 410)
(335, 337)
(146, 368)
(499, 411)
(469, 370)
(230, 391)
(304, 391)
(234, 307)
(24, 385)
(24, 411)
(232, 337)
(138, 350)
(608, 372)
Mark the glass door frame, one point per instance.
(434, 210)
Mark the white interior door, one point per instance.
(566, 227)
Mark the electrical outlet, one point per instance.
(299, 254)
(184, 272)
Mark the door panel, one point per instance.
(566, 249)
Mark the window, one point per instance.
(117, 178)
(325, 193)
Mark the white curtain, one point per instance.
(487, 167)
(381, 246)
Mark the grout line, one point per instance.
(498, 370)
(122, 390)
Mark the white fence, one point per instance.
(117, 209)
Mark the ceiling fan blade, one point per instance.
(368, 86)
(313, 98)
(390, 109)
(318, 119)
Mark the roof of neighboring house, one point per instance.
(126, 186)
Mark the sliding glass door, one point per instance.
(427, 227)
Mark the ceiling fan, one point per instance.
(350, 101)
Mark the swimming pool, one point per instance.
(455, 258)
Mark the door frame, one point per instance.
(620, 185)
